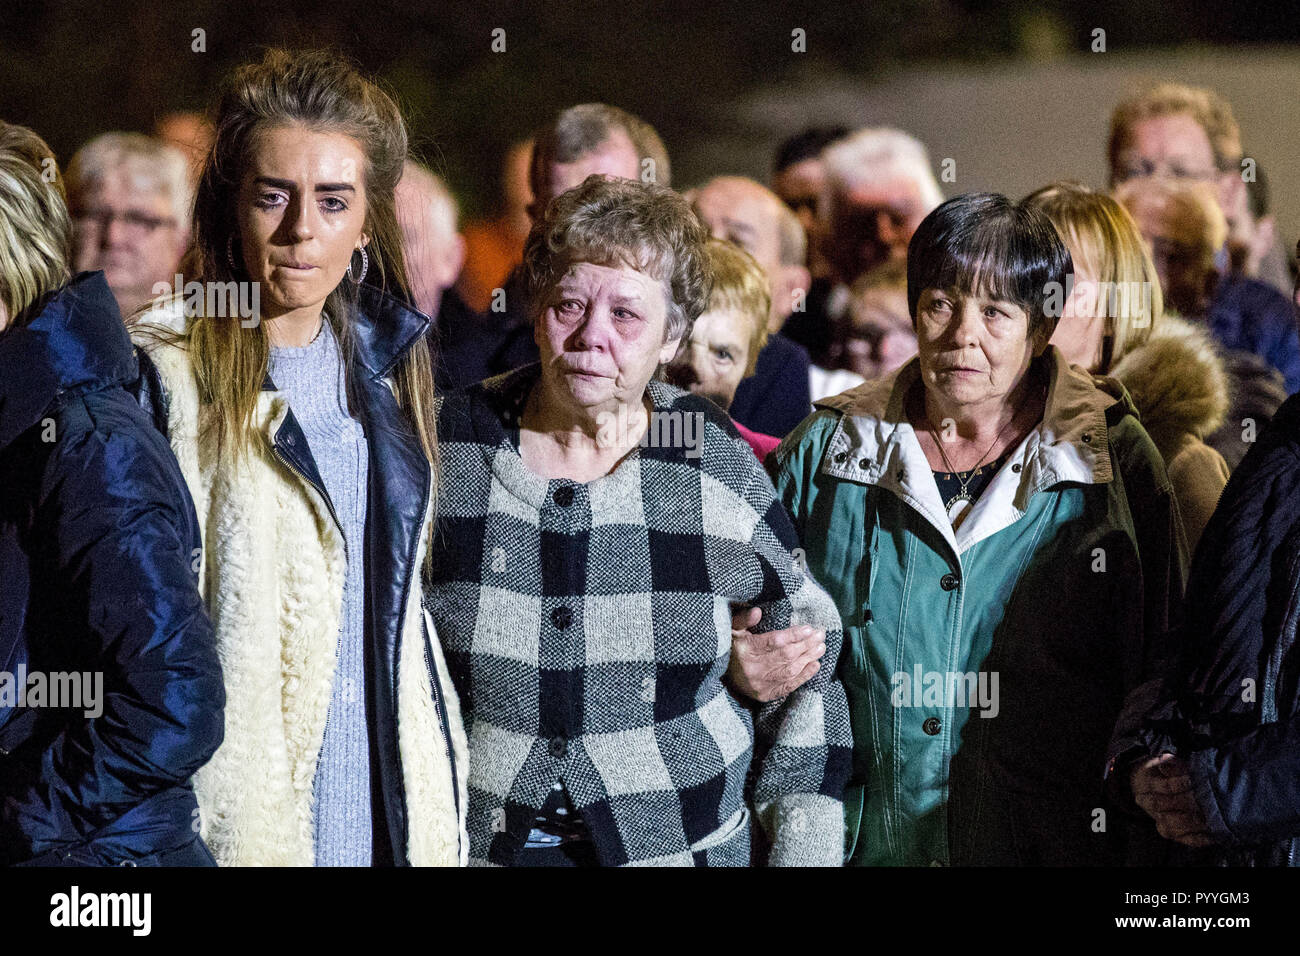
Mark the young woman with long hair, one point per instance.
(308, 440)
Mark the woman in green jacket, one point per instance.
(1000, 536)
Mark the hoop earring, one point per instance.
(230, 253)
(365, 265)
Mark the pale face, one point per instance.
(881, 336)
(4, 316)
(616, 157)
(129, 229)
(601, 337)
(1080, 330)
(871, 225)
(1174, 145)
(973, 349)
(712, 363)
(434, 251)
(742, 213)
(302, 212)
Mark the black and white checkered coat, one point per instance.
(588, 629)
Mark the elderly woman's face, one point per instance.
(601, 334)
(716, 355)
(973, 348)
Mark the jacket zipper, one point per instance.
(446, 732)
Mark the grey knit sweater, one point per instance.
(312, 378)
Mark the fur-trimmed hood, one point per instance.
(1177, 381)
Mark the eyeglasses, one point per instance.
(136, 224)
(1142, 169)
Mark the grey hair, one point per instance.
(582, 129)
(877, 155)
(151, 162)
(623, 222)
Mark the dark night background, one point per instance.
(73, 68)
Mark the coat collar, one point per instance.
(393, 328)
(386, 330)
(874, 444)
(76, 343)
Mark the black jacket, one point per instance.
(1233, 707)
(777, 397)
(463, 343)
(98, 546)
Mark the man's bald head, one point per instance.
(753, 217)
(434, 251)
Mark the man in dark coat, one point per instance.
(581, 141)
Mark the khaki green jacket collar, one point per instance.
(874, 444)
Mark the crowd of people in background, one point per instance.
(817, 521)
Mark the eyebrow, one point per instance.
(290, 184)
(736, 225)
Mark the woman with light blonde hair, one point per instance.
(1113, 323)
(308, 439)
(98, 590)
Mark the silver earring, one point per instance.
(230, 253)
(365, 264)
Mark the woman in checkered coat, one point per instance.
(594, 528)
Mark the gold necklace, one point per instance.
(962, 501)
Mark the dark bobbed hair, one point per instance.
(985, 242)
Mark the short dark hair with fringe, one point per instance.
(985, 241)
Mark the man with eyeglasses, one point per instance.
(130, 199)
(1182, 134)
(1187, 133)
(1183, 227)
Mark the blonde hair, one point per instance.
(318, 90)
(740, 285)
(1210, 111)
(1184, 199)
(35, 231)
(889, 276)
(1103, 238)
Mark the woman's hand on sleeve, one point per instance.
(767, 667)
